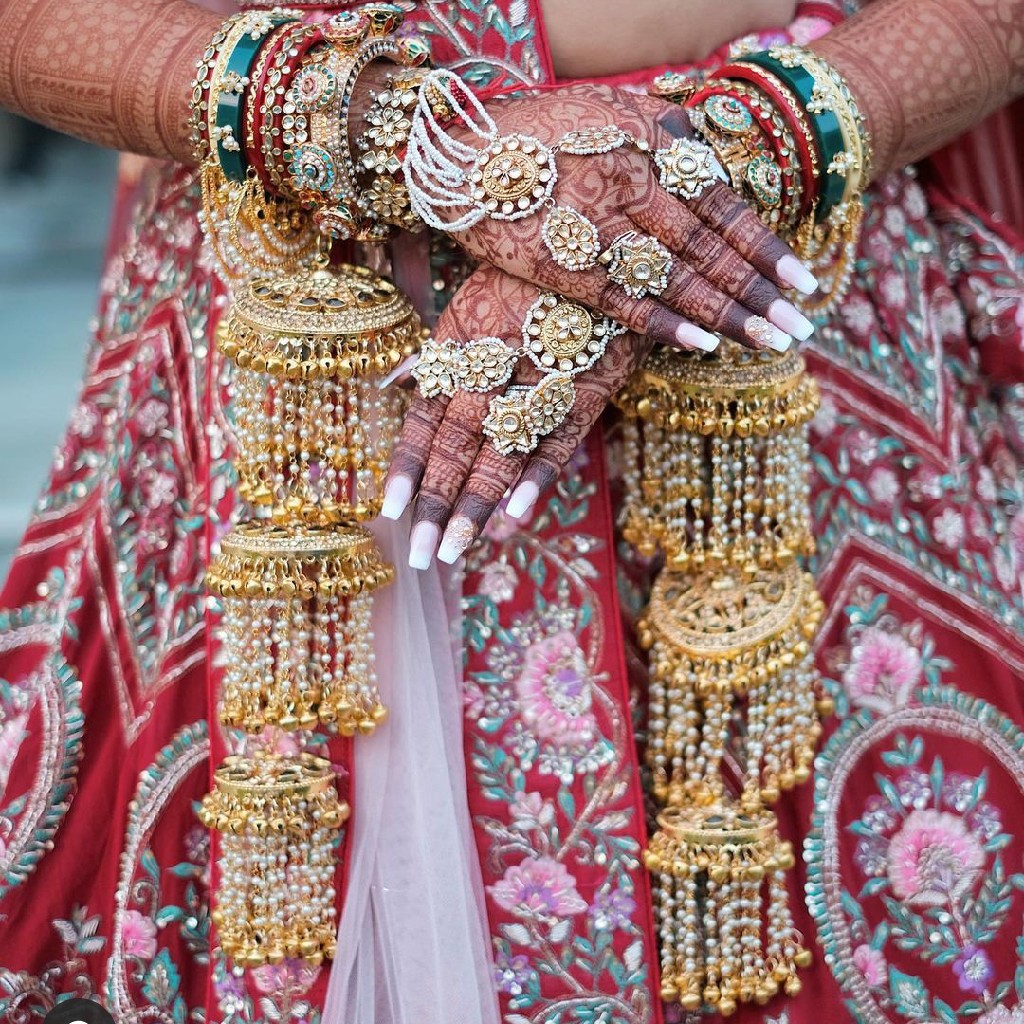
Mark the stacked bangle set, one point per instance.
(790, 135)
(270, 106)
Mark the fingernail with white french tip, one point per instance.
(396, 497)
(458, 536)
(522, 500)
(788, 318)
(691, 336)
(796, 275)
(422, 544)
(399, 371)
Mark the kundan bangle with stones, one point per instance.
(755, 145)
(254, 97)
(279, 126)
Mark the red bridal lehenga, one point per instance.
(912, 879)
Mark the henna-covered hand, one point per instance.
(443, 454)
(729, 268)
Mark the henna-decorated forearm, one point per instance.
(924, 71)
(113, 72)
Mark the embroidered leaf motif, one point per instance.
(517, 933)
(908, 994)
(162, 980)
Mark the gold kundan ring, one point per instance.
(639, 263)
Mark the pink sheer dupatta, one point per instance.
(413, 942)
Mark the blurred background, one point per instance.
(55, 202)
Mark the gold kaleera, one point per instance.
(313, 439)
(314, 433)
(297, 604)
(717, 452)
(718, 458)
(279, 819)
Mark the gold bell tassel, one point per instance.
(296, 617)
(718, 481)
(278, 818)
(721, 906)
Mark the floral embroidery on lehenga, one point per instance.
(549, 755)
(921, 928)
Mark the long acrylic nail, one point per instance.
(522, 499)
(780, 341)
(691, 336)
(764, 335)
(796, 275)
(458, 536)
(396, 497)
(788, 318)
(422, 544)
(400, 370)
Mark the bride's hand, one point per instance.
(443, 454)
(728, 268)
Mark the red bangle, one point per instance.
(784, 102)
(254, 96)
(286, 55)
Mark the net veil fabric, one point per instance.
(415, 903)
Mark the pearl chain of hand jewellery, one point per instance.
(453, 185)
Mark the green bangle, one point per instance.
(828, 133)
(229, 100)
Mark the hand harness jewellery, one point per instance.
(562, 338)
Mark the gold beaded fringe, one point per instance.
(295, 581)
(718, 482)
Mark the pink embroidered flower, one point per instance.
(948, 528)
(138, 933)
(933, 859)
(498, 582)
(555, 692)
(894, 291)
(858, 314)
(292, 976)
(529, 810)
(539, 888)
(884, 669)
(871, 964)
(884, 486)
(863, 446)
